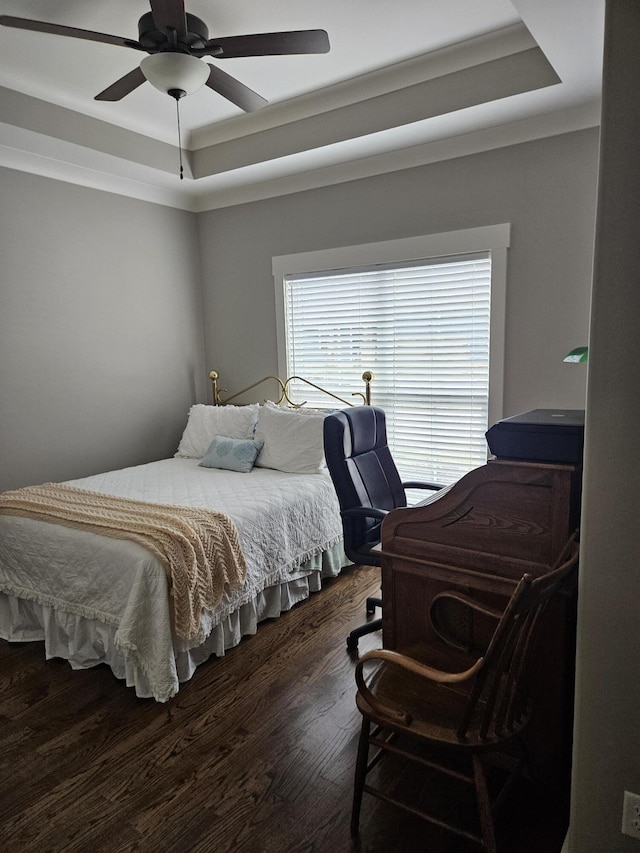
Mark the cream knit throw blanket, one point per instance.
(198, 547)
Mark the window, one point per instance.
(426, 327)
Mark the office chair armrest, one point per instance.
(417, 484)
(421, 670)
(364, 512)
(443, 631)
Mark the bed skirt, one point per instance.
(88, 642)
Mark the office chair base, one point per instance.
(371, 605)
(367, 628)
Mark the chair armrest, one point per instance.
(470, 604)
(364, 512)
(417, 484)
(421, 670)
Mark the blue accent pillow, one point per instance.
(232, 454)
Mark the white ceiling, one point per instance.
(405, 82)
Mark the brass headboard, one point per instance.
(283, 390)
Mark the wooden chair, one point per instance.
(454, 711)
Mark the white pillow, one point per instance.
(292, 443)
(205, 422)
(300, 410)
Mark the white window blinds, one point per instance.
(423, 329)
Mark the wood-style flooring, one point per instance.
(254, 755)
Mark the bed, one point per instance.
(96, 593)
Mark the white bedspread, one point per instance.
(282, 521)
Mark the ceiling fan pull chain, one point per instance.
(177, 97)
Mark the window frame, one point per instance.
(494, 239)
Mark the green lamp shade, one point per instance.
(577, 355)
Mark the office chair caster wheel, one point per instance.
(371, 604)
(352, 644)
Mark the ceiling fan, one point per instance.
(176, 42)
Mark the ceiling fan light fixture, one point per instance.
(175, 71)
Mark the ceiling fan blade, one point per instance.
(270, 44)
(72, 32)
(235, 91)
(170, 15)
(122, 86)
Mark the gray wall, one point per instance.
(545, 189)
(101, 339)
(607, 719)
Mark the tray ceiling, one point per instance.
(404, 83)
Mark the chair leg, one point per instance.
(361, 774)
(484, 806)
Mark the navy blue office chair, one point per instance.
(368, 486)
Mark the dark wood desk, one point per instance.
(480, 536)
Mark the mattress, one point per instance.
(95, 599)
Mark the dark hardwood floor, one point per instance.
(254, 755)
